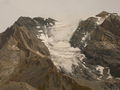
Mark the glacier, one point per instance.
(57, 40)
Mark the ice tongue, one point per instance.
(63, 55)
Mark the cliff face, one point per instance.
(99, 40)
(25, 62)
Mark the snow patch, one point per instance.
(40, 31)
(100, 69)
(85, 37)
(101, 19)
(38, 27)
(85, 44)
(109, 75)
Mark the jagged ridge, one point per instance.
(100, 44)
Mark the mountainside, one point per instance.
(25, 61)
(45, 54)
(98, 38)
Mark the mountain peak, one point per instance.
(102, 14)
(25, 58)
(32, 22)
(100, 39)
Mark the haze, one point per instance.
(62, 10)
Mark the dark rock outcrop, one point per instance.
(100, 43)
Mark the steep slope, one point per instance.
(25, 62)
(57, 42)
(67, 59)
(98, 39)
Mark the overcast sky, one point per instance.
(64, 10)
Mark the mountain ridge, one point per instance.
(99, 42)
(25, 60)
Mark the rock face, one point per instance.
(25, 62)
(100, 43)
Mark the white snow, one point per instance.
(38, 27)
(85, 44)
(44, 38)
(84, 37)
(99, 78)
(63, 55)
(102, 19)
(109, 75)
(100, 69)
(40, 31)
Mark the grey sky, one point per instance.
(67, 10)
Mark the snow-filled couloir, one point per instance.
(56, 39)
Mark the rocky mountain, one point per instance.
(25, 61)
(98, 38)
(44, 54)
